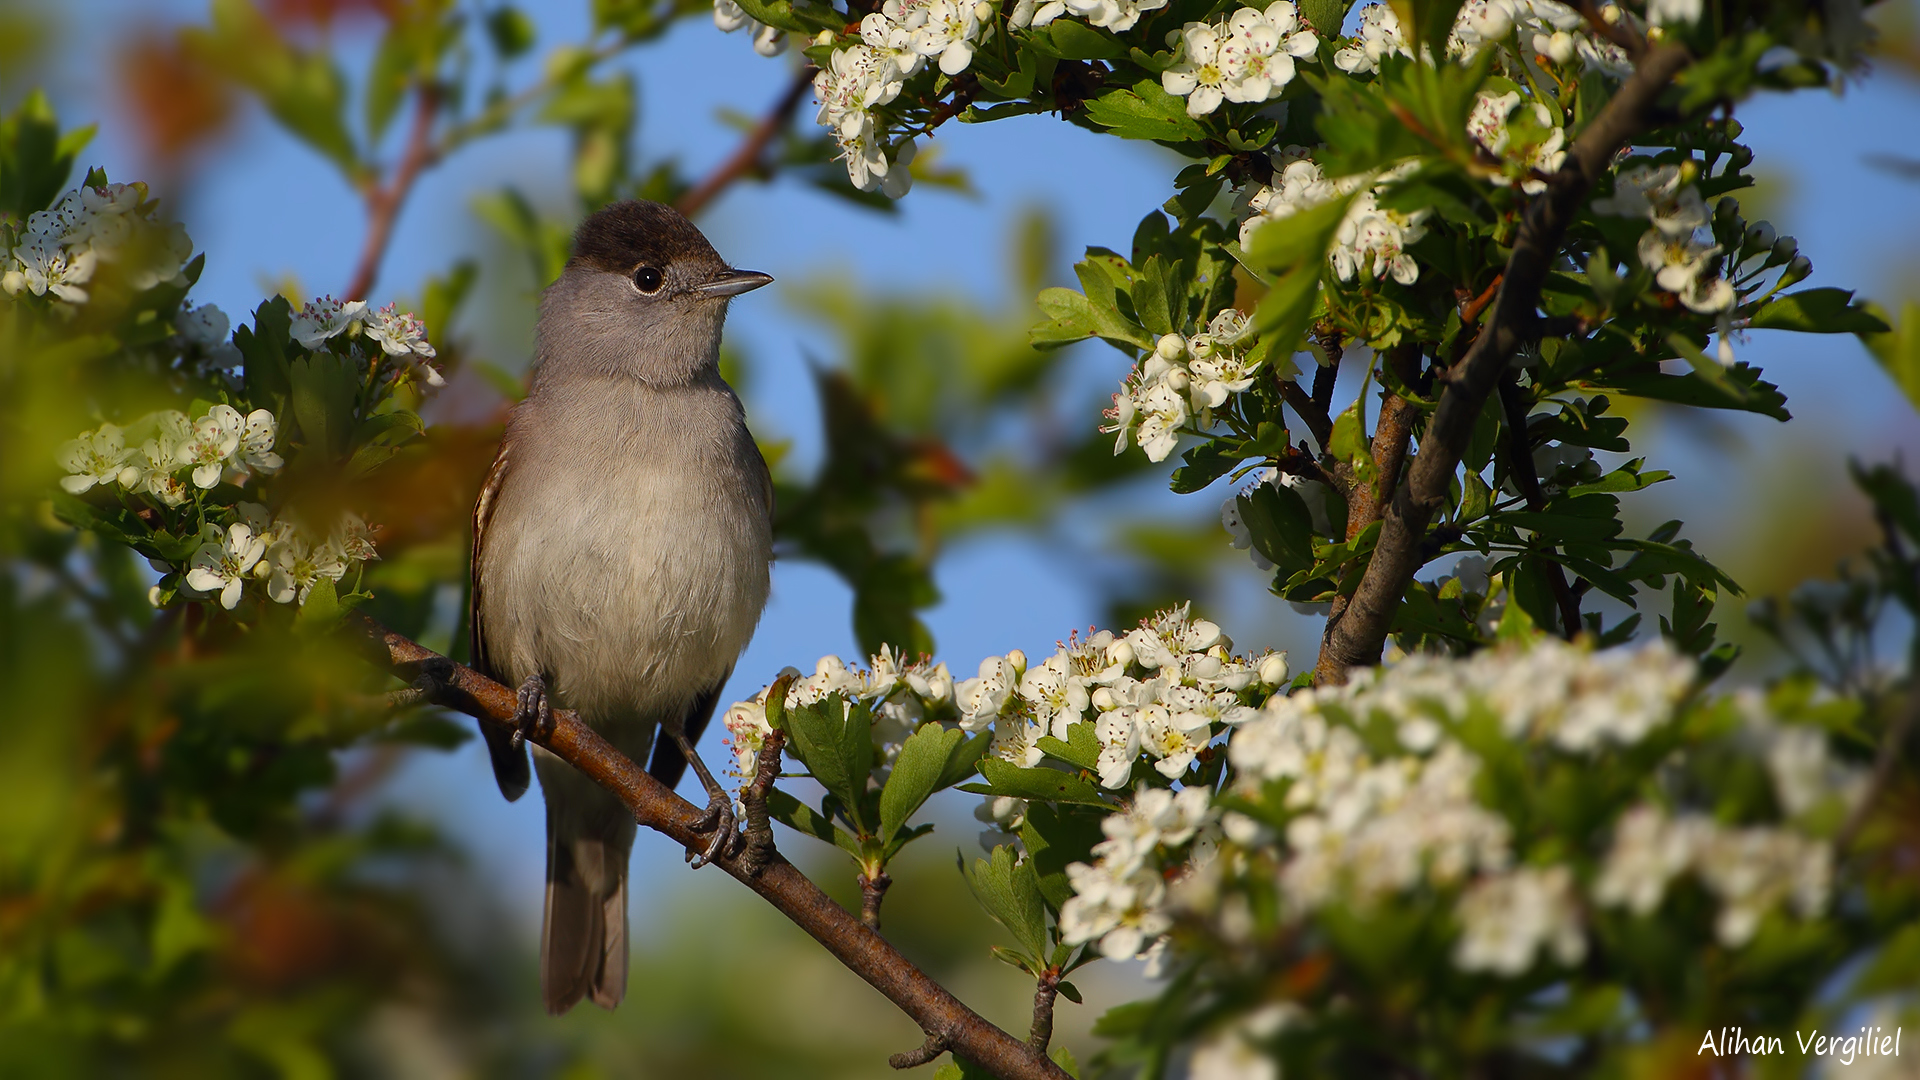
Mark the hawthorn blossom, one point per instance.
(212, 441)
(205, 325)
(94, 457)
(1118, 16)
(1373, 240)
(224, 561)
(950, 31)
(322, 320)
(1658, 193)
(1378, 38)
(1200, 73)
(1487, 124)
(42, 267)
(1506, 919)
(1260, 49)
(296, 565)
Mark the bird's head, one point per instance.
(643, 295)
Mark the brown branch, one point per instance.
(935, 1045)
(1045, 990)
(1390, 438)
(1891, 744)
(384, 201)
(746, 158)
(1310, 412)
(943, 1017)
(1356, 636)
(872, 891)
(1527, 479)
(1327, 375)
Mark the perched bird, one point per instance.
(621, 544)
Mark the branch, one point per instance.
(384, 202)
(1891, 744)
(1527, 479)
(746, 158)
(872, 891)
(1045, 989)
(1357, 634)
(947, 1021)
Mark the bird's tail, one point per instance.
(583, 944)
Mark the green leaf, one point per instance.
(321, 612)
(304, 91)
(1150, 297)
(1056, 837)
(1082, 746)
(1280, 524)
(1709, 387)
(1145, 112)
(964, 760)
(1062, 1056)
(1349, 441)
(379, 438)
(834, 739)
(35, 159)
(510, 31)
(1205, 463)
(1293, 248)
(1818, 311)
(1325, 16)
(1069, 39)
(801, 818)
(1428, 22)
(916, 773)
(1044, 785)
(1898, 350)
(1011, 894)
(323, 392)
(803, 18)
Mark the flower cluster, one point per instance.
(1118, 16)
(901, 697)
(1372, 239)
(767, 40)
(1247, 57)
(1681, 263)
(895, 43)
(1538, 150)
(1183, 379)
(60, 249)
(1526, 29)
(279, 553)
(398, 334)
(168, 456)
(1120, 901)
(1749, 870)
(1163, 690)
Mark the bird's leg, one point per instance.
(533, 713)
(719, 814)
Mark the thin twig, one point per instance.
(1356, 638)
(1891, 744)
(865, 953)
(746, 158)
(872, 891)
(937, 1043)
(1046, 989)
(1527, 479)
(384, 200)
(1311, 412)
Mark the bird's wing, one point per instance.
(510, 769)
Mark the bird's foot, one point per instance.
(533, 712)
(720, 818)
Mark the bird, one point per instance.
(622, 542)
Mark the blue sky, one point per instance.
(267, 208)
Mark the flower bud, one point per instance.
(1689, 171)
(1611, 13)
(824, 37)
(1018, 658)
(1560, 46)
(1785, 248)
(1759, 236)
(154, 596)
(1492, 22)
(1120, 653)
(1797, 270)
(1104, 700)
(1726, 209)
(1273, 669)
(1170, 347)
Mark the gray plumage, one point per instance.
(621, 550)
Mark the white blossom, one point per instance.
(1487, 124)
(322, 320)
(1378, 38)
(1505, 920)
(296, 564)
(949, 32)
(95, 457)
(1200, 73)
(1658, 193)
(224, 561)
(206, 325)
(1260, 49)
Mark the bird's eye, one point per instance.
(648, 279)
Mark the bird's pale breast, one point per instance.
(648, 569)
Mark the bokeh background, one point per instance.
(722, 986)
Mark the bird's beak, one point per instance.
(733, 283)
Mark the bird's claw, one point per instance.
(533, 712)
(720, 818)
